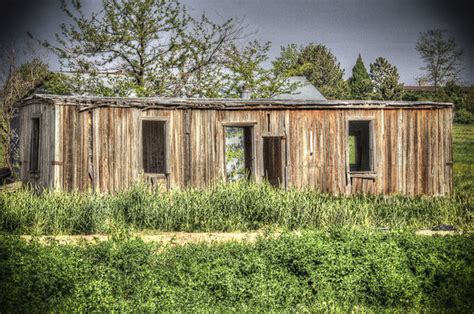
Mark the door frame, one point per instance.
(241, 124)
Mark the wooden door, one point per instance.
(272, 160)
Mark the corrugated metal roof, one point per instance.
(306, 90)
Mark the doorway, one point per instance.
(272, 160)
(239, 152)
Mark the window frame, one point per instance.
(241, 124)
(166, 120)
(372, 149)
(36, 171)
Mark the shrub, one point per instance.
(463, 116)
(315, 271)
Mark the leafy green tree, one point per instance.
(441, 57)
(317, 64)
(155, 42)
(462, 98)
(107, 84)
(245, 68)
(18, 81)
(385, 78)
(287, 62)
(359, 82)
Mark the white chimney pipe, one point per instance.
(245, 92)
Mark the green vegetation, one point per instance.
(179, 56)
(385, 80)
(234, 153)
(318, 64)
(463, 150)
(226, 207)
(360, 82)
(309, 272)
(461, 97)
(352, 149)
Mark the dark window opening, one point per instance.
(360, 146)
(154, 146)
(272, 160)
(34, 145)
(238, 152)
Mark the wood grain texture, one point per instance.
(98, 147)
(46, 114)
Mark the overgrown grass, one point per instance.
(313, 272)
(228, 207)
(463, 150)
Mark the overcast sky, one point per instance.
(371, 27)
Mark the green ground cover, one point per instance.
(315, 271)
(463, 150)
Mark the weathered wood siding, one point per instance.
(45, 113)
(100, 149)
(412, 151)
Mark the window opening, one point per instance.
(34, 145)
(154, 146)
(360, 146)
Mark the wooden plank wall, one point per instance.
(46, 152)
(176, 144)
(413, 151)
(100, 148)
(412, 148)
(265, 123)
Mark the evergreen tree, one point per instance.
(317, 64)
(385, 78)
(360, 83)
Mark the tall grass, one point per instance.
(228, 207)
(463, 150)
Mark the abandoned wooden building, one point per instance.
(341, 147)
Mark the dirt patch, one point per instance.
(10, 186)
(180, 238)
(440, 233)
(176, 238)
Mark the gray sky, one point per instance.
(371, 27)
